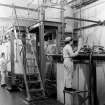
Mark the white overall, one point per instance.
(68, 64)
(3, 68)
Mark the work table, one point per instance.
(91, 59)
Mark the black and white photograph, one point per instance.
(52, 52)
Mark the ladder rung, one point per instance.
(37, 81)
(52, 81)
(36, 90)
(32, 74)
(39, 98)
(75, 92)
(32, 66)
(30, 58)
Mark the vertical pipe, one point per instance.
(78, 67)
(90, 78)
(62, 18)
(41, 40)
(42, 11)
(42, 55)
(38, 10)
(12, 58)
(25, 68)
(58, 39)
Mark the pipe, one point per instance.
(81, 19)
(85, 27)
(70, 2)
(18, 7)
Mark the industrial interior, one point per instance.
(33, 36)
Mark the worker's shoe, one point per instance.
(69, 89)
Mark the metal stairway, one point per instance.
(32, 78)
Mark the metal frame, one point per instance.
(41, 25)
(73, 94)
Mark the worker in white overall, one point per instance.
(68, 63)
(3, 69)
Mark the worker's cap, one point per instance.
(67, 39)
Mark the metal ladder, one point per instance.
(32, 79)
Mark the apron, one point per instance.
(3, 68)
(68, 72)
(3, 77)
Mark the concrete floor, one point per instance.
(7, 98)
(15, 98)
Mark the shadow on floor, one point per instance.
(17, 98)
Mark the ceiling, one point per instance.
(6, 11)
(25, 10)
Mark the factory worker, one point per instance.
(68, 63)
(3, 69)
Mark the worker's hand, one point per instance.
(75, 49)
(79, 48)
(76, 53)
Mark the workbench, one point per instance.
(91, 59)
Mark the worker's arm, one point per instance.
(7, 61)
(71, 53)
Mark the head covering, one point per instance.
(67, 39)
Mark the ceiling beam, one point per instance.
(12, 19)
(18, 7)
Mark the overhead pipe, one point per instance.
(85, 27)
(81, 19)
(70, 2)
